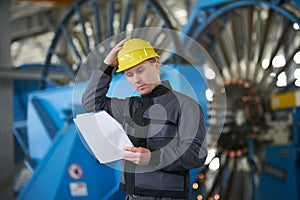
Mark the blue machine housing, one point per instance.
(65, 169)
(280, 178)
(69, 171)
(22, 89)
(281, 172)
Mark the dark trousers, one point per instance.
(132, 197)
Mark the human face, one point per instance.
(144, 77)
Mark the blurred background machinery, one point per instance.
(248, 40)
(255, 46)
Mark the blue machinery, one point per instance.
(65, 168)
(62, 167)
(281, 163)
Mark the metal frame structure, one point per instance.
(101, 18)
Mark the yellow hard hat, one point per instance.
(133, 52)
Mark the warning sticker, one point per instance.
(78, 189)
(75, 171)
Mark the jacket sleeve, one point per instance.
(189, 150)
(94, 97)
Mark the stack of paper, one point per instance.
(103, 134)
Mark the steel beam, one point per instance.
(7, 164)
(27, 21)
(29, 74)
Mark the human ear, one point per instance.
(157, 66)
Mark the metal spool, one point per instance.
(254, 45)
(245, 39)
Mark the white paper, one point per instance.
(104, 135)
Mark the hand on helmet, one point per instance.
(112, 57)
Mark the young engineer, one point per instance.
(166, 127)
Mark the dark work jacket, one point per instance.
(168, 123)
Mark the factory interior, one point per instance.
(240, 59)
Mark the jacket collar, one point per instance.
(161, 89)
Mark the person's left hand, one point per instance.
(138, 155)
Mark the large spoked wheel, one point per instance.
(89, 22)
(256, 47)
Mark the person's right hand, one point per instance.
(112, 57)
(137, 155)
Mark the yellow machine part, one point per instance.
(285, 100)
